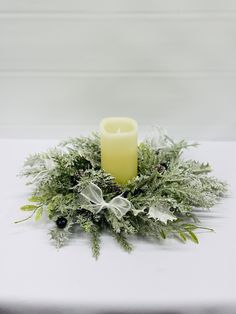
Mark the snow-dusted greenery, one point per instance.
(159, 203)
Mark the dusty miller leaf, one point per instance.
(161, 213)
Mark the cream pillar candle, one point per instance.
(119, 152)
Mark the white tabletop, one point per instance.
(35, 277)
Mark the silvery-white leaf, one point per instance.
(161, 213)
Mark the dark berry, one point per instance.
(165, 164)
(165, 194)
(115, 189)
(61, 222)
(125, 194)
(73, 180)
(161, 169)
(77, 176)
(137, 192)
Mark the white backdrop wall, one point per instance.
(68, 63)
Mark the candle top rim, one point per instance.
(114, 126)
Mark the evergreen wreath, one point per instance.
(70, 186)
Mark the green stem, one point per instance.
(27, 218)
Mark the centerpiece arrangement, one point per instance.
(107, 182)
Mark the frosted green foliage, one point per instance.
(163, 196)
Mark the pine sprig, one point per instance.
(96, 240)
(163, 196)
(121, 239)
